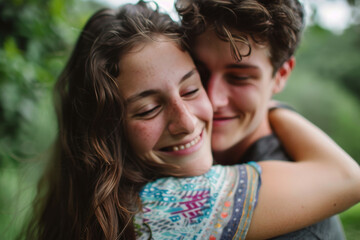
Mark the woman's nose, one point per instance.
(181, 119)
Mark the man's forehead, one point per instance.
(209, 38)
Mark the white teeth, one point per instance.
(182, 147)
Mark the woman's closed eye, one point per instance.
(190, 93)
(149, 113)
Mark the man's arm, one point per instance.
(324, 180)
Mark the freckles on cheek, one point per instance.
(141, 136)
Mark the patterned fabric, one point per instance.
(216, 205)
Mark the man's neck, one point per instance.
(233, 155)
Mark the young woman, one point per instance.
(133, 113)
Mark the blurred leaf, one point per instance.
(10, 47)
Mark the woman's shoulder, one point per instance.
(192, 206)
(217, 177)
(216, 172)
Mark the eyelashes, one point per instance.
(153, 109)
(190, 93)
(147, 113)
(235, 77)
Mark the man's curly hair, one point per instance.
(274, 23)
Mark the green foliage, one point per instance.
(35, 39)
(351, 223)
(317, 88)
(333, 57)
(353, 2)
(34, 42)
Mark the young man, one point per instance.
(244, 50)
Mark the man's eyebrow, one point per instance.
(241, 66)
(229, 66)
(153, 91)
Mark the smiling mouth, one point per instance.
(185, 146)
(182, 146)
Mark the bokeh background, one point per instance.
(37, 36)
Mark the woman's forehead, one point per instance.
(152, 64)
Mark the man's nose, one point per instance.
(217, 92)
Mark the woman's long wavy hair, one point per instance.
(90, 191)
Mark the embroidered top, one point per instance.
(216, 205)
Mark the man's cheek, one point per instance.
(247, 99)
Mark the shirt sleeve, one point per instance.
(245, 200)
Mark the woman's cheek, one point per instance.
(203, 110)
(143, 136)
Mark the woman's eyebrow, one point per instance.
(188, 75)
(140, 95)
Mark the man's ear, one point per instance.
(282, 75)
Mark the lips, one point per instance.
(223, 121)
(184, 146)
(223, 118)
